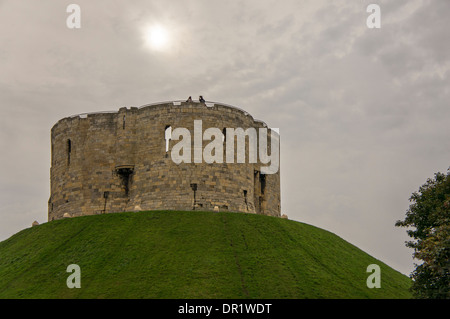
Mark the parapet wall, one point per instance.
(117, 161)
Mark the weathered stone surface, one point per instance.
(117, 161)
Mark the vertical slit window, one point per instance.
(69, 150)
(194, 188)
(168, 136)
(262, 179)
(245, 198)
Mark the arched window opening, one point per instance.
(125, 173)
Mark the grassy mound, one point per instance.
(188, 255)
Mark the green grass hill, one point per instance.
(192, 255)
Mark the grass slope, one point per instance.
(188, 255)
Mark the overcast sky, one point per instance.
(363, 113)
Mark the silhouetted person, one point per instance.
(201, 99)
(189, 100)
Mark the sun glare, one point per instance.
(157, 37)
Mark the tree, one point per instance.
(429, 218)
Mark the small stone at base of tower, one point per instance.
(216, 208)
(35, 223)
(66, 215)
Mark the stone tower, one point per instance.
(121, 161)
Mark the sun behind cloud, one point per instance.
(157, 37)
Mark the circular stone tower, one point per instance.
(124, 161)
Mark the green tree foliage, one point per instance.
(428, 217)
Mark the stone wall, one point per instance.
(117, 161)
